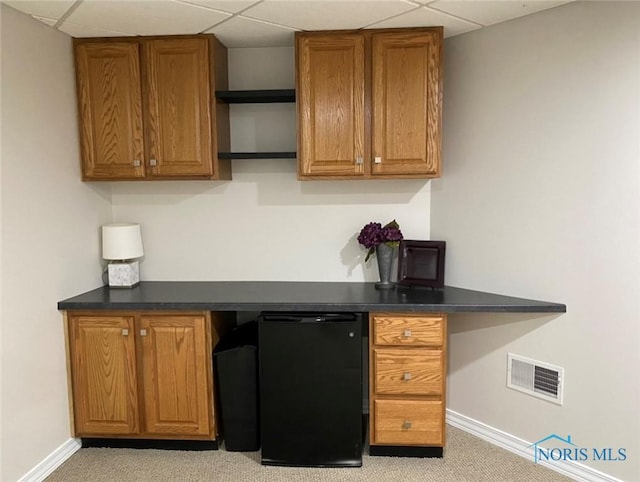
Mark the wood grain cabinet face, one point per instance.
(103, 360)
(331, 105)
(407, 357)
(142, 375)
(369, 104)
(146, 107)
(110, 110)
(175, 368)
(406, 104)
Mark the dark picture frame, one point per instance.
(421, 263)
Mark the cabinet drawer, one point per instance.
(408, 330)
(407, 372)
(408, 422)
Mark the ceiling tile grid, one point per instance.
(268, 23)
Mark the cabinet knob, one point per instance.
(125, 332)
(407, 333)
(377, 160)
(359, 160)
(406, 376)
(143, 332)
(153, 162)
(136, 163)
(407, 424)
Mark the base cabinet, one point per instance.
(407, 383)
(142, 375)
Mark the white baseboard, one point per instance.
(520, 447)
(54, 460)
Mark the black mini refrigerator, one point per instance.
(311, 389)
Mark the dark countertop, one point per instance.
(299, 296)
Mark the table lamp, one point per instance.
(121, 245)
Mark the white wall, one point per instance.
(265, 224)
(50, 244)
(540, 198)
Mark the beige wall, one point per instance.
(49, 233)
(265, 224)
(540, 198)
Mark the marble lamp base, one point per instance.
(123, 274)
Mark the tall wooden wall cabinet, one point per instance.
(369, 103)
(147, 107)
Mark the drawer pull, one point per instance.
(406, 425)
(406, 376)
(407, 333)
(125, 332)
(143, 332)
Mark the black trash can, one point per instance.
(236, 368)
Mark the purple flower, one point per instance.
(374, 234)
(371, 235)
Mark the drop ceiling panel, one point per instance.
(244, 32)
(49, 21)
(265, 23)
(52, 10)
(424, 17)
(84, 31)
(232, 6)
(327, 15)
(488, 12)
(151, 17)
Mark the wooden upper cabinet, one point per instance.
(102, 354)
(331, 86)
(179, 119)
(110, 109)
(147, 107)
(369, 103)
(406, 103)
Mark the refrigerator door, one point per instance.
(311, 389)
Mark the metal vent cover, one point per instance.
(535, 378)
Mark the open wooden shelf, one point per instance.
(257, 155)
(256, 96)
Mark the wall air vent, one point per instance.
(535, 378)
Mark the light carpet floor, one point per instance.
(467, 458)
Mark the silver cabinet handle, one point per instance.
(136, 163)
(407, 333)
(125, 332)
(143, 332)
(377, 160)
(406, 376)
(406, 424)
(153, 162)
(359, 160)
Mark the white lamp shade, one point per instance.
(121, 241)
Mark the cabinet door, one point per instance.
(177, 374)
(331, 105)
(178, 108)
(406, 104)
(110, 109)
(103, 368)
